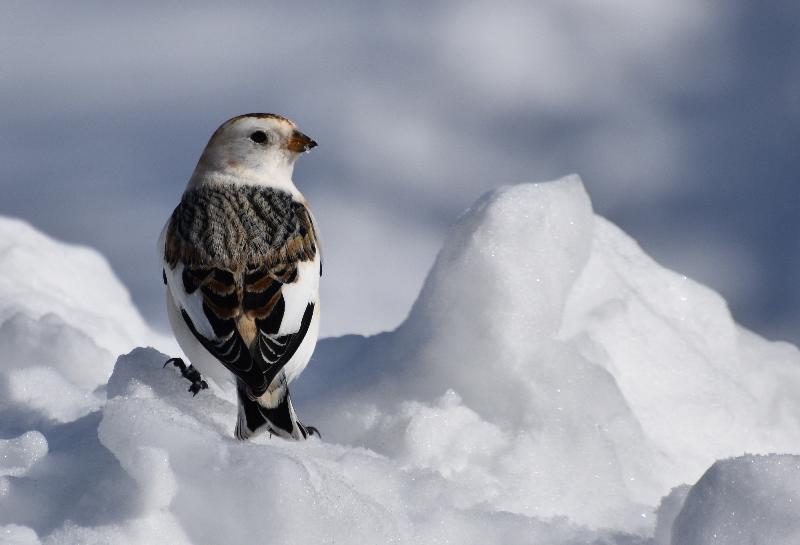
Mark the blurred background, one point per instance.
(682, 117)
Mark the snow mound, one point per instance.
(548, 362)
(750, 500)
(550, 385)
(158, 466)
(40, 276)
(64, 318)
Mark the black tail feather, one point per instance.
(279, 420)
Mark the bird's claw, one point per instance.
(197, 386)
(189, 373)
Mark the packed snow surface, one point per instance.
(750, 500)
(550, 385)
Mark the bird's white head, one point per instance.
(252, 149)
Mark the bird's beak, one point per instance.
(299, 142)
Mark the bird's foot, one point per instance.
(189, 373)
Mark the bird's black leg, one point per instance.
(189, 373)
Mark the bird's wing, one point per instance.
(251, 315)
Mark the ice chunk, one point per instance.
(750, 500)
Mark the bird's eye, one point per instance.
(259, 137)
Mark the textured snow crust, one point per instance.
(750, 500)
(550, 385)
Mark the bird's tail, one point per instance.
(271, 412)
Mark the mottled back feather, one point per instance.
(236, 228)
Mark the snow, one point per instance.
(64, 318)
(551, 385)
(41, 277)
(18, 454)
(669, 508)
(749, 500)
(12, 534)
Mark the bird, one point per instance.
(241, 262)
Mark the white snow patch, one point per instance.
(64, 318)
(20, 453)
(50, 341)
(549, 386)
(12, 534)
(42, 390)
(41, 276)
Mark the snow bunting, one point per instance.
(241, 261)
